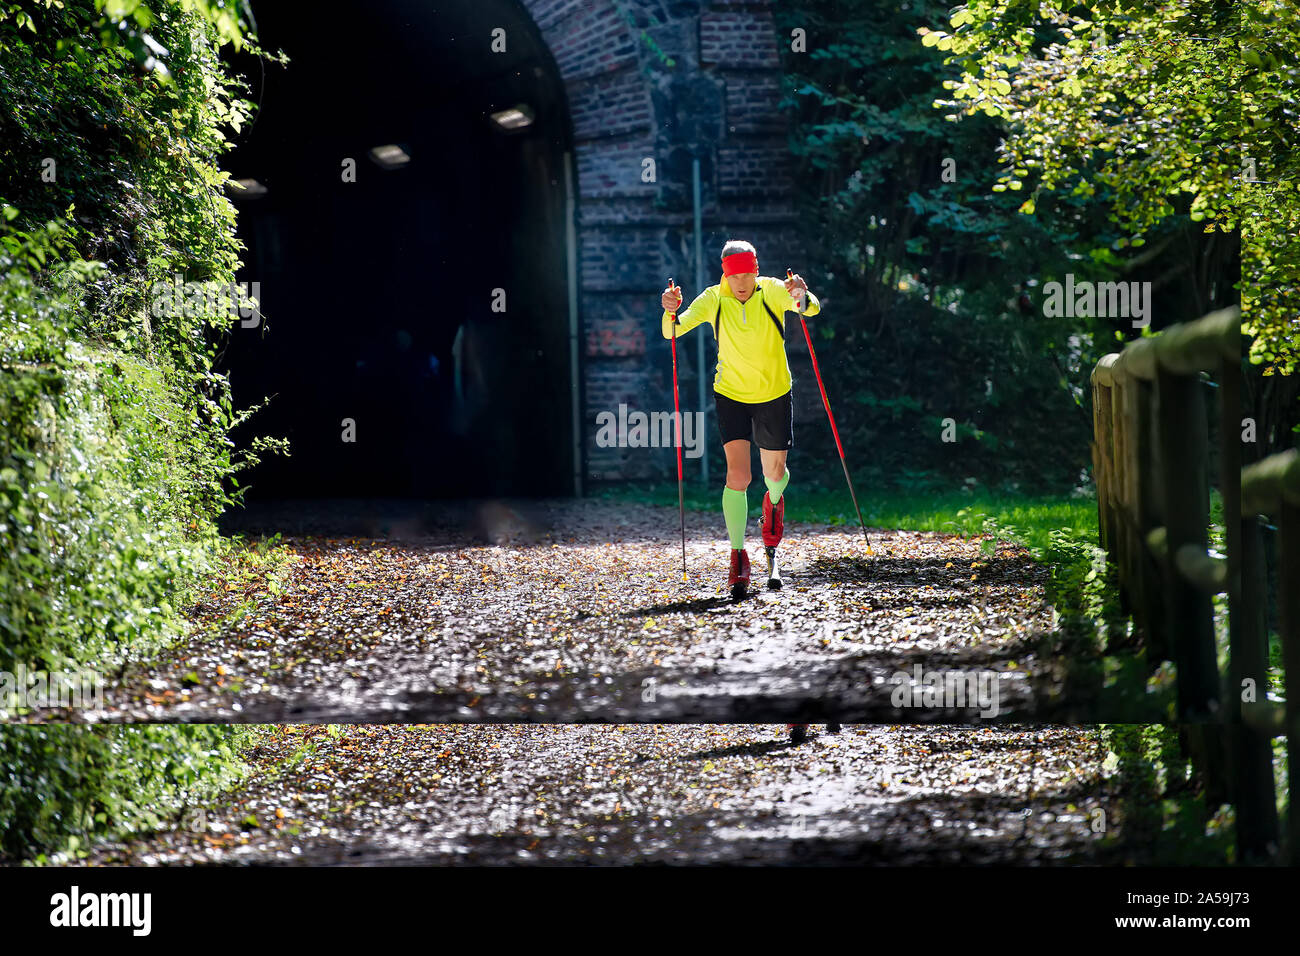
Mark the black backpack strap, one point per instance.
(717, 321)
(779, 327)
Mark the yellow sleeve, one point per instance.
(775, 289)
(702, 309)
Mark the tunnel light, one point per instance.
(246, 188)
(391, 156)
(517, 117)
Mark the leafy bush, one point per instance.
(933, 234)
(62, 785)
(115, 458)
(1162, 804)
(93, 543)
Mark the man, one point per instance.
(751, 389)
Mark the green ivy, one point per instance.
(115, 456)
(1163, 103)
(61, 786)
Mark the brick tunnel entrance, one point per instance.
(378, 294)
(412, 255)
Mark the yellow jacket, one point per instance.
(751, 338)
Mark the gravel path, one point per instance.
(494, 794)
(567, 611)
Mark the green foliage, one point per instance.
(636, 24)
(1088, 82)
(93, 542)
(1161, 804)
(1270, 203)
(62, 785)
(926, 268)
(1172, 106)
(134, 149)
(114, 455)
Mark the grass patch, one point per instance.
(1029, 521)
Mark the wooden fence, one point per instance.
(1272, 487)
(1151, 461)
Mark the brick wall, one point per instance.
(739, 39)
(719, 103)
(749, 105)
(753, 168)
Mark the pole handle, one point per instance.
(803, 295)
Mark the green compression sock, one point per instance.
(735, 508)
(777, 488)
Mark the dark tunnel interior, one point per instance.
(377, 295)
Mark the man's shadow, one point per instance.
(697, 605)
(760, 749)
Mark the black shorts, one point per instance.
(770, 425)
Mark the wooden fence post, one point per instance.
(1288, 575)
(1186, 499)
(1153, 500)
(1104, 440)
(1272, 487)
(1100, 466)
(1123, 495)
(1258, 836)
(1250, 754)
(1150, 515)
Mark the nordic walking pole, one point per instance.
(677, 421)
(834, 431)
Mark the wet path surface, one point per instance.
(576, 611)
(492, 794)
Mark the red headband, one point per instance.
(739, 262)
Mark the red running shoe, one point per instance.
(739, 578)
(773, 520)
